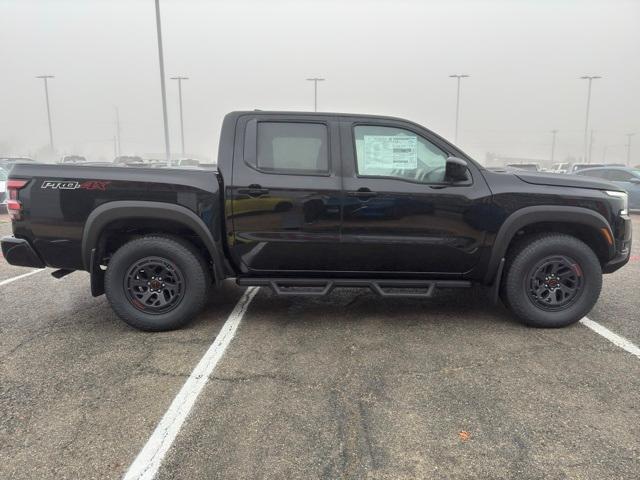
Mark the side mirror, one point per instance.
(456, 170)
(635, 180)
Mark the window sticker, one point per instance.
(389, 152)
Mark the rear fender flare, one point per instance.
(120, 210)
(536, 214)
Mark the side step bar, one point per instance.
(321, 286)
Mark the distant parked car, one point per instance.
(559, 167)
(626, 177)
(128, 160)
(155, 161)
(158, 164)
(581, 166)
(187, 162)
(576, 167)
(96, 164)
(3, 190)
(8, 162)
(73, 159)
(531, 167)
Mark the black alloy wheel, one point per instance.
(154, 285)
(554, 283)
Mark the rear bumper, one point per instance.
(19, 252)
(623, 248)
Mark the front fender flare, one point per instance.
(536, 214)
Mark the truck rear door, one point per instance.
(285, 198)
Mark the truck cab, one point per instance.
(349, 196)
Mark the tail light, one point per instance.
(14, 207)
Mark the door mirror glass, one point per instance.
(457, 170)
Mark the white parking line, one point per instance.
(146, 464)
(612, 337)
(13, 279)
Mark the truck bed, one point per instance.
(58, 200)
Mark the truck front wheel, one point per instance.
(156, 283)
(552, 280)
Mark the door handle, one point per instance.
(363, 194)
(254, 190)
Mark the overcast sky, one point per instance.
(379, 57)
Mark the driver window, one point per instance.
(400, 153)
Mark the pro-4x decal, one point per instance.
(73, 185)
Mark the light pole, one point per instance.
(180, 79)
(458, 76)
(629, 135)
(167, 149)
(46, 95)
(590, 78)
(553, 145)
(315, 81)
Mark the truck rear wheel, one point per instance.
(552, 280)
(156, 283)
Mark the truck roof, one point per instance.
(239, 113)
(318, 114)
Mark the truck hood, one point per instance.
(563, 180)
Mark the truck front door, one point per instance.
(400, 215)
(285, 200)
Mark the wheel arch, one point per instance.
(588, 225)
(124, 211)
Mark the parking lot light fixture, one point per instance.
(458, 76)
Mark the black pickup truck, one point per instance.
(304, 203)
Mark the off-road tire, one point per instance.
(528, 253)
(181, 258)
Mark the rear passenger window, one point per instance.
(295, 148)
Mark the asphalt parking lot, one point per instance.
(345, 386)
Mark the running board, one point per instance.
(317, 287)
(62, 272)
